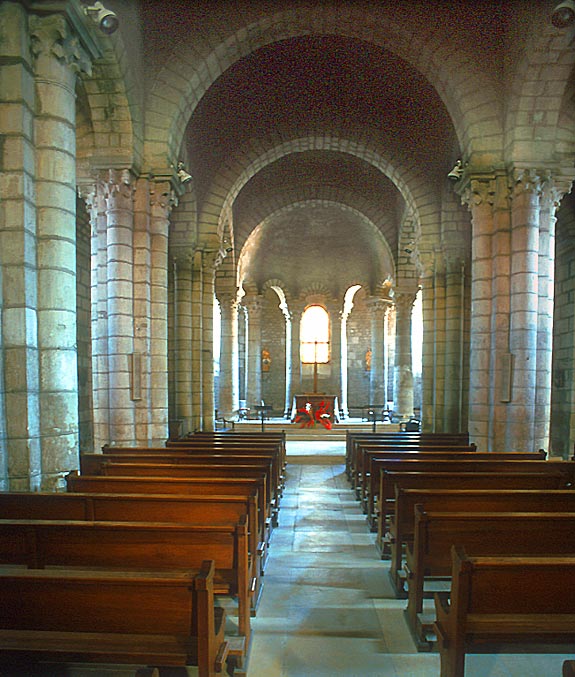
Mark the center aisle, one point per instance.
(327, 607)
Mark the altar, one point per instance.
(319, 402)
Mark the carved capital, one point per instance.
(254, 305)
(479, 192)
(119, 187)
(162, 198)
(527, 181)
(52, 38)
(555, 186)
(404, 300)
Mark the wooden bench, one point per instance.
(435, 480)
(363, 449)
(237, 442)
(402, 522)
(95, 507)
(186, 486)
(230, 465)
(141, 618)
(402, 438)
(375, 462)
(274, 470)
(428, 559)
(568, 668)
(504, 600)
(136, 545)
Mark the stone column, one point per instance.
(119, 193)
(20, 451)
(524, 310)
(162, 200)
(296, 307)
(334, 310)
(209, 264)
(480, 197)
(428, 281)
(182, 352)
(197, 341)
(229, 365)
(454, 419)
(403, 364)
(288, 363)
(390, 352)
(58, 58)
(254, 304)
(377, 307)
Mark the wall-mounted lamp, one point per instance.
(457, 172)
(183, 174)
(107, 20)
(563, 14)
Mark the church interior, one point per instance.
(179, 183)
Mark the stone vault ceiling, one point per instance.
(312, 86)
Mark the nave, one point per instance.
(327, 607)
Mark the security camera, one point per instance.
(107, 21)
(457, 172)
(564, 14)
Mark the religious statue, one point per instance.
(368, 359)
(266, 360)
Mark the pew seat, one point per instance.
(428, 558)
(147, 618)
(517, 602)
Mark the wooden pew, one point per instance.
(376, 461)
(568, 668)
(402, 523)
(136, 545)
(401, 438)
(276, 441)
(147, 618)
(362, 448)
(187, 486)
(441, 481)
(481, 533)
(206, 472)
(224, 453)
(504, 600)
(95, 507)
(98, 464)
(442, 466)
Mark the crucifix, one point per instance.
(318, 358)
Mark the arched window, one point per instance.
(314, 335)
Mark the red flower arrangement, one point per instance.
(307, 418)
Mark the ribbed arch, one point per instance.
(469, 96)
(416, 190)
(385, 256)
(381, 219)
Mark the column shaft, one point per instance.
(20, 451)
(57, 60)
(403, 361)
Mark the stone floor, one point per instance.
(327, 607)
